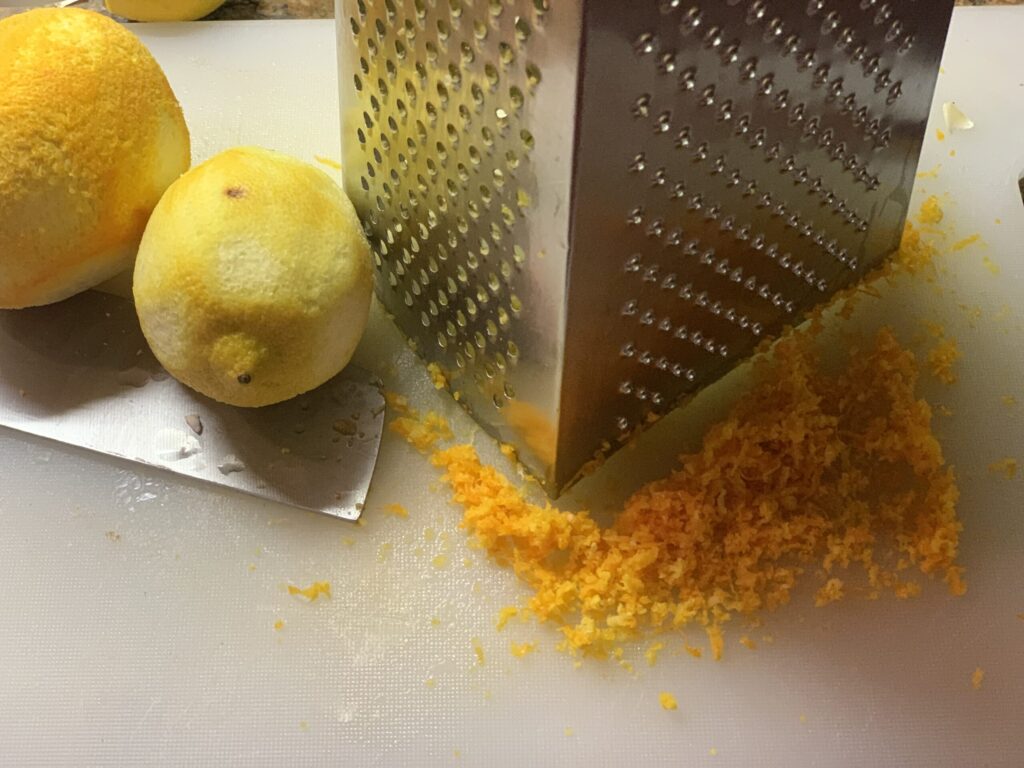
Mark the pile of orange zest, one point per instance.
(313, 591)
(667, 701)
(812, 470)
(1006, 467)
(809, 468)
(519, 650)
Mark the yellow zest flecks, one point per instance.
(651, 654)
(439, 561)
(519, 650)
(312, 592)
(941, 359)
(977, 677)
(1006, 467)
(959, 245)
(396, 509)
(667, 701)
(478, 651)
(329, 162)
(279, 624)
(505, 614)
(930, 211)
(437, 377)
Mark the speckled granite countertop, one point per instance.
(324, 9)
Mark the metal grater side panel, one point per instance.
(738, 162)
(459, 119)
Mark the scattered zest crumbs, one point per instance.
(568, 731)
(829, 593)
(930, 212)
(651, 654)
(396, 509)
(519, 650)
(506, 613)
(990, 265)
(1006, 467)
(667, 700)
(941, 359)
(693, 651)
(313, 591)
(440, 561)
(279, 624)
(1009, 400)
(423, 433)
(437, 377)
(478, 649)
(329, 162)
(977, 678)
(959, 245)
(748, 643)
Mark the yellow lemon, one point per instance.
(163, 10)
(253, 281)
(90, 137)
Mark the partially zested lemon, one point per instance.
(90, 137)
(253, 281)
(163, 10)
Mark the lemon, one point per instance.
(253, 281)
(90, 137)
(163, 10)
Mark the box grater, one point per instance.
(583, 212)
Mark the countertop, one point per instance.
(324, 9)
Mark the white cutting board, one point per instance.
(137, 609)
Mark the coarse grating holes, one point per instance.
(460, 173)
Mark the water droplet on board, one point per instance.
(231, 464)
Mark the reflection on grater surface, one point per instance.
(585, 212)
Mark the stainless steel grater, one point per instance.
(583, 212)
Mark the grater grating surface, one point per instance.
(583, 212)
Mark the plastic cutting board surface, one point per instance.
(137, 610)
